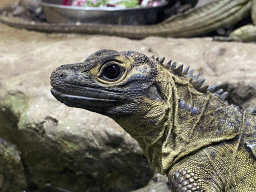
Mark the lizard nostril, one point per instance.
(63, 75)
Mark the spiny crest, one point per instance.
(193, 78)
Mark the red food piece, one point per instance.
(66, 2)
(110, 5)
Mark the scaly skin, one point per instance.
(185, 131)
(198, 21)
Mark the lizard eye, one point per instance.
(111, 72)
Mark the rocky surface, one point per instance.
(77, 150)
(60, 150)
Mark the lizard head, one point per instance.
(110, 83)
(131, 88)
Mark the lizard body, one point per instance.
(186, 131)
(197, 21)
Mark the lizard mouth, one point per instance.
(89, 103)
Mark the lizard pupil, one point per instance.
(111, 71)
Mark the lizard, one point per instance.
(197, 21)
(187, 131)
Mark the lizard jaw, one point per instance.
(98, 105)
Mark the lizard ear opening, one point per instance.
(154, 94)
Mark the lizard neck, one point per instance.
(149, 131)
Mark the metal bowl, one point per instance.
(57, 13)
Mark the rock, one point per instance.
(12, 176)
(77, 150)
(240, 95)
